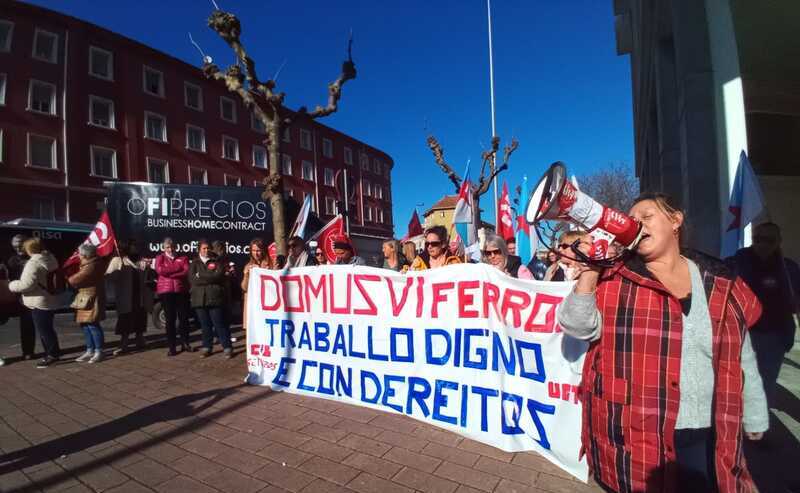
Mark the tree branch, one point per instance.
(438, 155)
(334, 91)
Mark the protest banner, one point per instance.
(464, 347)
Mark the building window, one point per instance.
(230, 148)
(155, 127)
(256, 124)
(1, 145)
(327, 148)
(195, 138)
(313, 208)
(157, 170)
(198, 176)
(45, 46)
(328, 177)
(364, 162)
(104, 162)
(232, 181)
(366, 189)
(286, 164)
(101, 63)
(6, 33)
(330, 206)
(287, 134)
(378, 192)
(227, 109)
(153, 81)
(305, 139)
(260, 157)
(348, 156)
(308, 170)
(380, 216)
(192, 96)
(41, 151)
(3, 78)
(368, 210)
(386, 169)
(42, 97)
(44, 208)
(376, 166)
(101, 112)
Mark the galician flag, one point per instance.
(299, 228)
(526, 237)
(745, 205)
(462, 215)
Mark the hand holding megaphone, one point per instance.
(555, 198)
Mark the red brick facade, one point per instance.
(75, 111)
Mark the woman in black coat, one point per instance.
(208, 296)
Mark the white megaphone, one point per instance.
(555, 198)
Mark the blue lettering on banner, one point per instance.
(301, 384)
(480, 352)
(389, 391)
(429, 357)
(485, 394)
(326, 376)
(418, 396)
(305, 337)
(370, 351)
(321, 333)
(282, 371)
(396, 332)
(353, 352)
(365, 375)
(440, 400)
(338, 342)
(287, 329)
(534, 408)
(539, 375)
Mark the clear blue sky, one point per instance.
(560, 88)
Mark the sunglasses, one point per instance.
(564, 245)
(295, 245)
(320, 254)
(434, 244)
(491, 253)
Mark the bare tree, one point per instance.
(266, 103)
(614, 185)
(489, 158)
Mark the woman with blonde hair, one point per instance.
(90, 301)
(393, 257)
(495, 253)
(33, 286)
(258, 259)
(564, 268)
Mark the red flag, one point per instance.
(102, 237)
(505, 222)
(414, 226)
(326, 235)
(272, 251)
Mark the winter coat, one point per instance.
(89, 281)
(33, 281)
(207, 281)
(423, 261)
(630, 387)
(172, 274)
(128, 278)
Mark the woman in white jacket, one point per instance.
(32, 285)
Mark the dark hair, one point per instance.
(769, 224)
(439, 231)
(510, 240)
(202, 242)
(260, 244)
(296, 239)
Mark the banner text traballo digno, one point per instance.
(464, 347)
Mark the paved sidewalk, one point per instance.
(144, 422)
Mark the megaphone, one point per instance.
(555, 198)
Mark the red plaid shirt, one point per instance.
(631, 378)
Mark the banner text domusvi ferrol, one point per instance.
(463, 347)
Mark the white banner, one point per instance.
(463, 347)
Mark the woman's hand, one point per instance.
(586, 275)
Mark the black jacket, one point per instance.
(207, 282)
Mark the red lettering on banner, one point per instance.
(285, 280)
(320, 291)
(514, 301)
(372, 310)
(438, 296)
(563, 391)
(420, 295)
(466, 300)
(344, 310)
(549, 324)
(398, 307)
(491, 294)
(260, 350)
(264, 278)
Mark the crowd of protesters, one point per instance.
(708, 336)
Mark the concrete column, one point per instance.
(669, 142)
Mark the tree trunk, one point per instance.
(274, 187)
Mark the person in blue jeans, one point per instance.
(32, 285)
(208, 297)
(90, 302)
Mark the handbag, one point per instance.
(83, 301)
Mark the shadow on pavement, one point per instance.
(176, 408)
(774, 463)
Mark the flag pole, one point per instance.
(491, 99)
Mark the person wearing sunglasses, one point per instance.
(436, 252)
(564, 269)
(345, 253)
(298, 254)
(320, 257)
(495, 253)
(776, 283)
